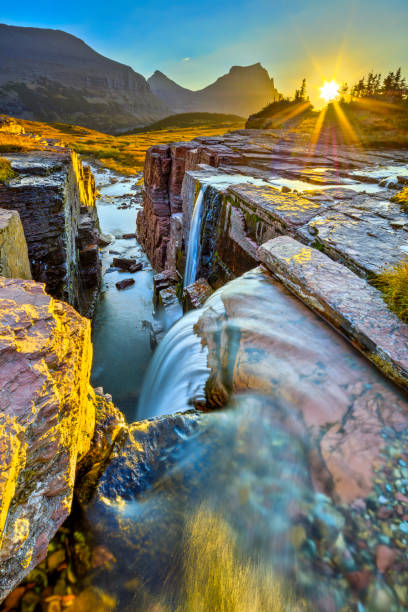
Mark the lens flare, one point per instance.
(329, 91)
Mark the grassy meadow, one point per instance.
(124, 153)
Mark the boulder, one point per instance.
(47, 418)
(126, 282)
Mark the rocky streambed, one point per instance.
(275, 477)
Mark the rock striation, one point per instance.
(55, 198)
(47, 418)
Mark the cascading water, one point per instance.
(194, 241)
(166, 386)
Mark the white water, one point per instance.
(177, 373)
(194, 242)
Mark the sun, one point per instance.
(329, 91)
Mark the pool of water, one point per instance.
(120, 337)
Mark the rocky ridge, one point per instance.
(50, 75)
(242, 91)
(55, 198)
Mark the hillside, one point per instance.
(242, 91)
(49, 75)
(124, 153)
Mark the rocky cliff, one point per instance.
(49, 75)
(47, 417)
(244, 90)
(55, 198)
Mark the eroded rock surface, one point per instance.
(346, 300)
(55, 197)
(47, 418)
(14, 261)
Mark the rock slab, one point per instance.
(47, 417)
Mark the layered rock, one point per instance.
(263, 185)
(14, 261)
(47, 420)
(55, 198)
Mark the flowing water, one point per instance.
(194, 241)
(120, 335)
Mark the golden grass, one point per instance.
(6, 173)
(126, 153)
(217, 579)
(402, 198)
(393, 282)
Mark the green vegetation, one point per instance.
(402, 198)
(6, 173)
(393, 282)
(124, 153)
(188, 120)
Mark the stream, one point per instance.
(120, 336)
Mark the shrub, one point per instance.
(6, 172)
(393, 282)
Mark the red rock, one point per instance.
(128, 236)
(13, 599)
(402, 498)
(46, 402)
(359, 580)
(126, 282)
(384, 557)
(384, 513)
(124, 263)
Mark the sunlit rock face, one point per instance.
(14, 261)
(55, 197)
(262, 185)
(47, 420)
(299, 478)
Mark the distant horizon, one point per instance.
(194, 46)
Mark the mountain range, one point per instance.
(242, 91)
(50, 75)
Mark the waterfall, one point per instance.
(177, 372)
(194, 241)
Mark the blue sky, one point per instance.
(196, 43)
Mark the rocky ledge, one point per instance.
(55, 198)
(47, 420)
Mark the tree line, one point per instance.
(393, 87)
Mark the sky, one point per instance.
(195, 43)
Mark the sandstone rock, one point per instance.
(126, 282)
(13, 247)
(55, 197)
(46, 423)
(344, 299)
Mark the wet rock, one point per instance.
(123, 284)
(345, 300)
(128, 236)
(105, 239)
(385, 557)
(46, 423)
(195, 295)
(125, 263)
(14, 261)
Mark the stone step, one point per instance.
(345, 300)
